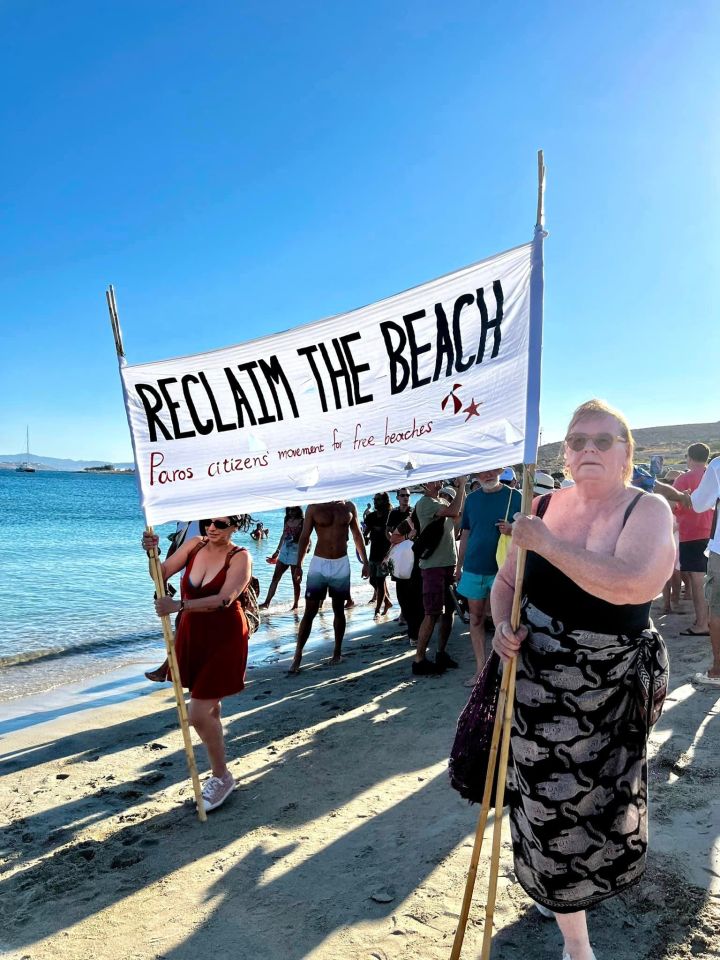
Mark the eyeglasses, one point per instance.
(601, 441)
(218, 524)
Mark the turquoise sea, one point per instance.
(77, 598)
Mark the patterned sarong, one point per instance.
(584, 704)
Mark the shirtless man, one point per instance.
(329, 570)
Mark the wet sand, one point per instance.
(344, 838)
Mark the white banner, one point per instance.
(438, 381)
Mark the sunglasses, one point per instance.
(601, 441)
(403, 496)
(218, 524)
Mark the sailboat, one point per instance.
(25, 466)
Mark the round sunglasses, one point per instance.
(601, 441)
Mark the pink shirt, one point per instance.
(693, 526)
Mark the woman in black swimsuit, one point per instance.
(591, 676)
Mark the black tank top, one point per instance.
(551, 591)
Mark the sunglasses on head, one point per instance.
(601, 441)
(218, 524)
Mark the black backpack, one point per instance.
(427, 541)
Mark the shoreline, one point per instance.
(112, 682)
(343, 839)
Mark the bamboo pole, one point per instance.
(482, 821)
(503, 722)
(159, 581)
(540, 221)
(506, 698)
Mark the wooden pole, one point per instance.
(503, 722)
(527, 497)
(158, 580)
(482, 820)
(514, 623)
(540, 222)
(506, 699)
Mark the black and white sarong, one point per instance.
(584, 704)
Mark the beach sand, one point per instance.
(344, 838)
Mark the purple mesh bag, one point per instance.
(471, 750)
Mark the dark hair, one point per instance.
(294, 513)
(385, 506)
(699, 452)
(241, 520)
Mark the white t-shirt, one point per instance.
(706, 496)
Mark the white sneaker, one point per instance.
(216, 790)
(545, 912)
(705, 680)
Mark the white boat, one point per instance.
(25, 466)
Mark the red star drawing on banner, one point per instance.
(472, 409)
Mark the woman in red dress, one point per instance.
(211, 640)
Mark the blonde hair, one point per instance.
(595, 407)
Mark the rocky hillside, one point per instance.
(670, 441)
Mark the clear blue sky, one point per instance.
(241, 168)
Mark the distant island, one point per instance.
(9, 461)
(108, 468)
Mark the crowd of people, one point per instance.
(602, 542)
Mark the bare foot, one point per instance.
(294, 669)
(292, 609)
(336, 658)
(388, 604)
(158, 676)
(349, 603)
(263, 606)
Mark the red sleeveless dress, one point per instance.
(211, 646)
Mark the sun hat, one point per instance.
(507, 476)
(543, 482)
